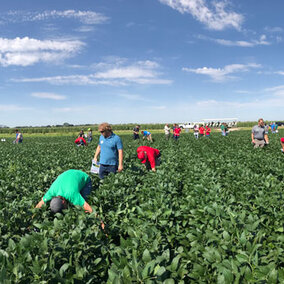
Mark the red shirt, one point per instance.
(151, 153)
(201, 130)
(208, 130)
(177, 131)
(78, 140)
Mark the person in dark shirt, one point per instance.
(136, 132)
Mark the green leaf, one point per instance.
(63, 269)
(146, 256)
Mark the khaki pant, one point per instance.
(259, 143)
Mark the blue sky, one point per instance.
(140, 61)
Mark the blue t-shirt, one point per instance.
(109, 149)
(146, 133)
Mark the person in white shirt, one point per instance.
(167, 131)
(196, 131)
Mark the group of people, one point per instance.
(145, 134)
(74, 186)
(81, 139)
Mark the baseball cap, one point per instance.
(56, 204)
(141, 156)
(282, 139)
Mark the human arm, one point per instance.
(87, 208)
(98, 150)
(39, 205)
(120, 160)
(252, 138)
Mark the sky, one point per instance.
(140, 61)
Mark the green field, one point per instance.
(212, 213)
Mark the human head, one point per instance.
(141, 156)
(142, 132)
(17, 130)
(57, 204)
(105, 129)
(260, 122)
(89, 129)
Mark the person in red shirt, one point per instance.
(176, 132)
(201, 130)
(207, 131)
(149, 156)
(282, 144)
(80, 141)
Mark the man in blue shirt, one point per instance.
(110, 150)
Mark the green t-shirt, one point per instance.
(68, 185)
(222, 127)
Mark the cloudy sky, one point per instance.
(140, 61)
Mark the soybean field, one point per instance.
(212, 213)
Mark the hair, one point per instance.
(260, 119)
(105, 127)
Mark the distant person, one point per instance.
(266, 130)
(282, 144)
(196, 131)
(19, 137)
(176, 133)
(258, 134)
(276, 127)
(136, 132)
(81, 133)
(80, 141)
(110, 150)
(201, 130)
(207, 131)
(90, 135)
(173, 128)
(72, 186)
(147, 135)
(167, 131)
(149, 156)
(272, 126)
(223, 129)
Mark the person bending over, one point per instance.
(149, 156)
(72, 186)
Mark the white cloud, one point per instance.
(279, 72)
(85, 17)
(241, 43)
(158, 107)
(216, 18)
(117, 74)
(28, 51)
(12, 108)
(132, 97)
(49, 96)
(222, 74)
(274, 29)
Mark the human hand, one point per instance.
(120, 168)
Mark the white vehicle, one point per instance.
(190, 125)
(216, 122)
(186, 125)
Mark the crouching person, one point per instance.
(80, 141)
(72, 186)
(149, 156)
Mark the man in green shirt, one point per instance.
(73, 186)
